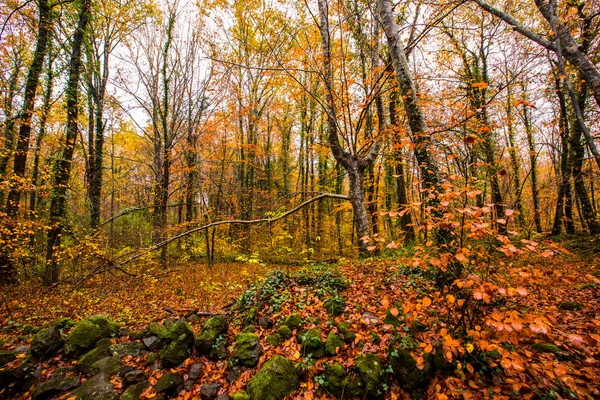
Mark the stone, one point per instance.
(406, 371)
(275, 380)
(168, 383)
(265, 322)
(370, 319)
(150, 341)
(30, 330)
(211, 330)
(6, 357)
(219, 351)
(97, 387)
(246, 350)
(124, 370)
(169, 322)
(63, 323)
(134, 376)
(47, 342)
(196, 371)
(125, 349)
(285, 332)
(152, 359)
(155, 329)
(343, 328)
(209, 391)
(571, 306)
(234, 374)
(134, 392)
(371, 373)
(335, 379)
(107, 365)
(179, 339)
(332, 343)
(107, 327)
(85, 363)
(335, 305)
(62, 372)
(82, 338)
(293, 321)
(546, 348)
(249, 329)
(312, 345)
(274, 339)
(52, 387)
(390, 319)
(193, 318)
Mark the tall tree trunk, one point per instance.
(514, 155)
(25, 119)
(533, 168)
(9, 121)
(63, 164)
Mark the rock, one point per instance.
(196, 371)
(246, 350)
(265, 322)
(20, 378)
(107, 327)
(107, 365)
(134, 376)
(210, 391)
(406, 371)
(546, 348)
(239, 396)
(274, 339)
(62, 372)
(82, 338)
(274, 381)
(6, 357)
(22, 348)
(332, 343)
(293, 321)
(234, 374)
(151, 342)
(123, 349)
(571, 306)
(85, 363)
(30, 330)
(193, 318)
(137, 335)
(151, 359)
(370, 319)
(335, 379)
(52, 387)
(135, 391)
(390, 319)
(47, 342)
(124, 370)
(155, 329)
(180, 341)
(285, 332)
(169, 322)
(219, 350)
(63, 323)
(371, 373)
(210, 332)
(312, 345)
(249, 329)
(335, 305)
(168, 383)
(343, 328)
(440, 362)
(97, 387)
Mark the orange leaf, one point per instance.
(450, 299)
(428, 349)
(394, 312)
(426, 301)
(480, 85)
(522, 291)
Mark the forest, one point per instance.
(269, 199)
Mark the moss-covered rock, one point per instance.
(179, 339)
(335, 305)
(371, 373)
(406, 370)
(239, 396)
(546, 348)
(249, 329)
(97, 387)
(46, 342)
(246, 350)
(274, 381)
(285, 332)
(107, 327)
(440, 362)
(274, 339)
(344, 329)
(390, 319)
(312, 345)
(332, 343)
(125, 349)
(168, 383)
(63, 323)
(251, 316)
(335, 379)
(30, 330)
(96, 354)
(52, 387)
(134, 392)
(6, 357)
(152, 359)
(571, 306)
(107, 365)
(82, 338)
(210, 332)
(293, 321)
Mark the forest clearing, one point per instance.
(271, 199)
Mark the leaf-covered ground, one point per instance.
(531, 329)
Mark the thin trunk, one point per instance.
(533, 166)
(514, 156)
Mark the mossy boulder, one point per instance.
(571, 306)
(82, 338)
(335, 379)
(347, 335)
(30, 330)
(63, 323)
(52, 387)
(274, 339)
(168, 383)
(246, 350)
(406, 371)
(332, 343)
(125, 349)
(97, 387)
(293, 321)
(335, 305)
(239, 396)
(134, 392)
(46, 342)
(107, 327)
(96, 354)
(107, 365)
(285, 332)
(6, 357)
(212, 329)
(440, 362)
(312, 345)
(274, 381)
(390, 319)
(371, 373)
(546, 348)
(179, 339)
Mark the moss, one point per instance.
(335, 379)
(405, 368)
(246, 350)
(168, 382)
(274, 381)
(312, 345)
(332, 343)
(46, 342)
(348, 336)
(440, 362)
(134, 392)
(108, 365)
(108, 327)
(370, 370)
(335, 305)
(53, 387)
(274, 339)
(85, 363)
(390, 319)
(571, 306)
(546, 348)
(152, 358)
(63, 323)
(285, 332)
(82, 338)
(155, 329)
(239, 396)
(30, 330)
(179, 339)
(293, 321)
(210, 332)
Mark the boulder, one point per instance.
(293, 321)
(246, 350)
(344, 329)
(30, 330)
(82, 338)
(335, 305)
(196, 371)
(6, 357)
(332, 343)
(96, 354)
(52, 387)
(546, 348)
(285, 332)
(179, 339)
(134, 376)
(274, 381)
(274, 339)
(312, 345)
(168, 383)
(335, 379)
(571, 306)
(234, 374)
(209, 391)
(265, 322)
(47, 342)
(63, 323)
(134, 392)
(212, 329)
(125, 349)
(107, 365)
(97, 387)
(405, 368)
(371, 373)
(107, 327)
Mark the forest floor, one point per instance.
(541, 340)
